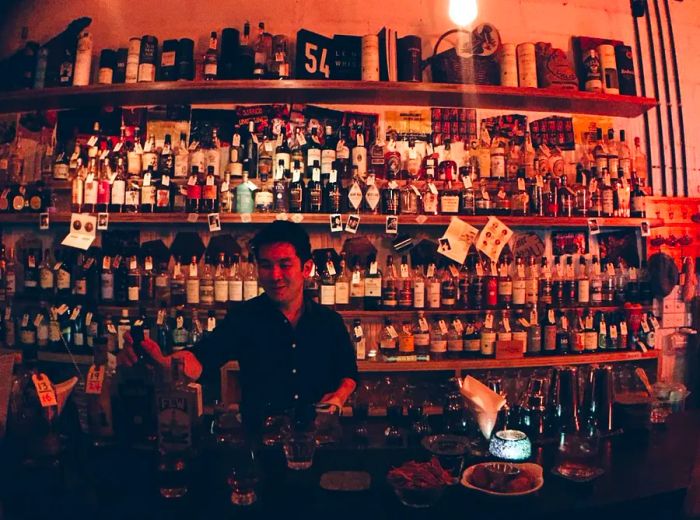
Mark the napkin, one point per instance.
(484, 402)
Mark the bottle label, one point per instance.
(373, 287)
(519, 292)
(192, 291)
(488, 343)
(438, 346)
(434, 295)
(327, 294)
(583, 290)
(221, 290)
(450, 203)
(342, 290)
(419, 295)
(235, 290)
(250, 289)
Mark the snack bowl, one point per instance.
(417, 497)
(503, 479)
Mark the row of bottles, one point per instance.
(479, 284)
(76, 328)
(583, 331)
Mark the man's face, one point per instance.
(281, 273)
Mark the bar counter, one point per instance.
(647, 473)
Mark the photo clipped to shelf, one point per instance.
(352, 224)
(392, 225)
(335, 223)
(102, 221)
(593, 227)
(214, 222)
(646, 228)
(44, 221)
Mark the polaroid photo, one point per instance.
(392, 225)
(646, 228)
(352, 224)
(335, 223)
(444, 245)
(214, 222)
(102, 221)
(43, 221)
(593, 227)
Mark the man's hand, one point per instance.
(128, 357)
(333, 399)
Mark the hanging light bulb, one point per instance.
(463, 12)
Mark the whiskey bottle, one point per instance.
(391, 202)
(405, 285)
(358, 340)
(419, 287)
(314, 189)
(359, 155)
(549, 331)
(180, 333)
(390, 285)
(373, 285)
(245, 201)
(328, 277)
(388, 340)
(177, 285)
(148, 191)
(106, 280)
(333, 197)
(166, 159)
(297, 190)
(194, 191)
(583, 283)
(206, 285)
(357, 285)
(438, 340)
(449, 200)
(265, 151)
(164, 194)
(77, 187)
(488, 336)
(235, 280)
(250, 155)
(433, 287)
(613, 154)
(372, 195)
(342, 285)
(455, 338)
(221, 280)
(192, 289)
(133, 281)
(210, 196)
(182, 157)
(545, 283)
(225, 195)
(407, 346)
(409, 198)
(569, 283)
(355, 195)
(430, 196)
(519, 284)
(150, 155)
(638, 207)
(90, 187)
(250, 280)
(563, 344)
(104, 187)
(557, 283)
(467, 203)
(46, 276)
(505, 286)
(118, 194)
(606, 196)
(312, 284)
(282, 158)
(211, 59)
(448, 288)
(421, 335)
(264, 198)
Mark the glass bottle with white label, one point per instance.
(206, 285)
(342, 285)
(430, 196)
(432, 287)
(192, 290)
(357, 285)
(328, 277)
(221, 280)
(488, 336)
(388, 340)
(421, 335)
(250, 280)
(390, 285)
(373, 285)
(419, 283)
(438, 340)
(133, 281)
(235, 280)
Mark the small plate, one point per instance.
(449, 445)
(577, 472)
(534, 471)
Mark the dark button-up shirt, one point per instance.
(281, 367)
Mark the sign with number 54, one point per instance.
(313, 55)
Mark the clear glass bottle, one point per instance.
(235, 280)
(192, 284)
(206, 285)
(250, 280)
(438, 340)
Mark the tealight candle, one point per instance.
(510, 445)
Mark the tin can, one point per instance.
(527, 65)
(410, 60)
(508, 64)
(608, 66)
(108, 60)
(370, 57)
(132, 60)
(83, 60)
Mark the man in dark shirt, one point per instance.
(292, 352)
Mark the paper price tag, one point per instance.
(457, 324)
(38, 320)
(25, 320)
(421, 219)
(610, 269)
(506, 324)
(654, 322)
(551, 317)
(211, 324)
(443, 326)
(645, 326)
(111, 328)
(488, 321)
(524, 322)
(44, 389)
(453, 270)
(432, 188)
(357, 330)
(423, 324)
(392, 332)
(88, 319)
(403, 271)
(192, 217)
(94, 380)
(297, 218)
(117, 147)
(373, 268)
(613, 331)
(623, 328)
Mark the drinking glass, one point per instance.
(243, 478)
(173, 475)
(299, 446)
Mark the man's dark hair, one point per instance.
(282, 231)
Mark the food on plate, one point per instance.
(419, 475)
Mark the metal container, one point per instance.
(508, 64)
(527, 65)
(370, 57)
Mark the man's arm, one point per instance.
(341, 394)
(344, 366)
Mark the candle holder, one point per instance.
(510, 445)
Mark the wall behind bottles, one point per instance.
(555, 21)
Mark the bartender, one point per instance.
(292, 351)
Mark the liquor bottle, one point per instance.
(31, 275)
(563, 345)
(164, 198)
(407, 346)
(162, 284)
(449, 200)
(640, 161)
(372, 195)
(519, 329)
(600, 152)
(488, 336)
(177, 285)
(90, 185)
(419, 287)
(282, 158)
(211, 59)
(77, 187)
(342, 285)
(333, 197)
(358, 339)
(221, 280)
(602, 330)
(313, 151)
(491, 286)
(638, 207)
(577, 338)
(265, 154)
(166, 159)
(606, 196)
(613, 153)
(455, 341)
(534, 331)
(390, 285)
(328, 151)
(250, 280)
(463, 287)
(388, 340)
(148, 191)
(430, 196)
(264, 199)
(210, 325)
(206, 285)
(225, 201)
(504, 331)
(106, 280)
(438, 339)
(118, 193)
(192, 283)
(355, 195)
(297, 190)
(421, 335)
(505, 286)
(357, 285)
(250, 155)
(104, 187)
(549, 331)
(180, 334)
(472, 340)
(405, 285)
(46, 276)
(133, 281)
(432, 287)
(409, 198)
(194, 191)
(314, 189)
(476, 281)
(262, 48)
(392, 158)
(182, 156)
(448, 289)
(150, 155)
(359, 153)
(312, 284)
(245, 201)
(391, 200)
(608, 279)
(328, 277)
(569, 283)
(557, 282)
(545, 283)
(196, 330)
(519, 282)
(373, 285)
(235, 280)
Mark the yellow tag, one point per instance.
(95, 379)
(488, 321)
(44, 389)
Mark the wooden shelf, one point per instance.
(458, 365)
(157, 219)
(333, 92)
